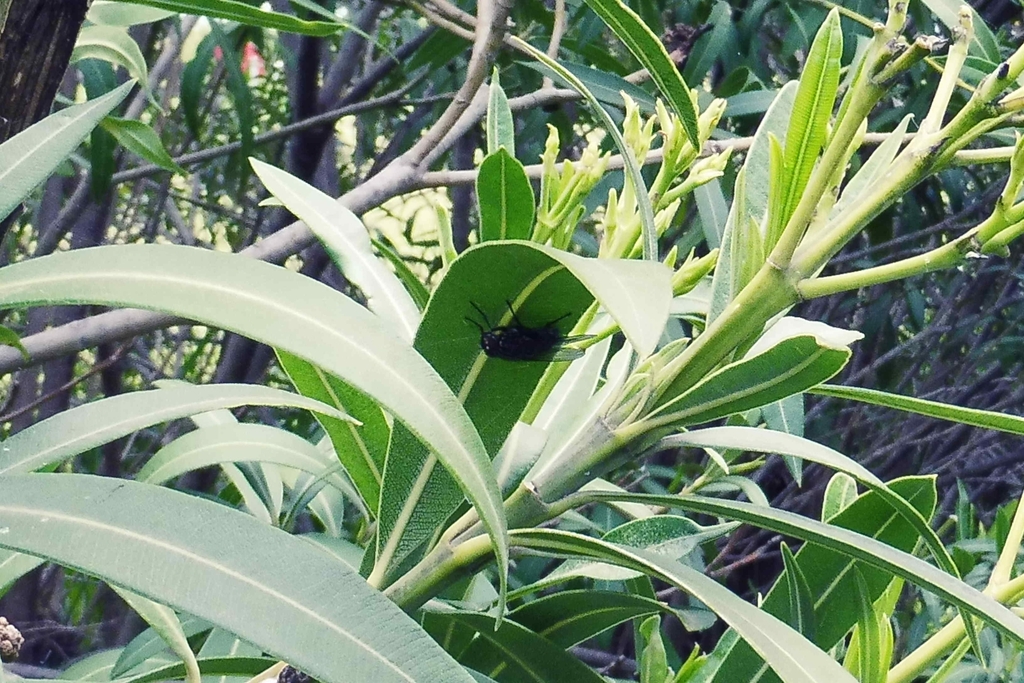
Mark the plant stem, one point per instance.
(767, 294)
(442, 566)
(947, 638)
(946, 256)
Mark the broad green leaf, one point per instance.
(149, 643)
(526, 655)
(792, 656)
(236, 443)
(501, 131)
(347, 241)
(650, 52)
(141, 140)
(505, 198)
(790, 367)
(812, 109)
(543, 285)
(205, 559)
(286, 311)
(31, 156)
(164, 622)
(111, 44)
(988, 419)
(124, 14)
(87, 426)
(360, 448)
(244, 13)
(839, 493)
(631, 165)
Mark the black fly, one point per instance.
(523, 343)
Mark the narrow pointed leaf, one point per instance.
(360, 448)
(244, 13)
(87, 426)
(347, 241)
(812, 109)
(165, 622)
(31, 156)
(650, 52)
(500, 129)
(205, 559)
(285, 310)
(794, 658)
(236, 443)
(1003, 422)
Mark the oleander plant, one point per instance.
(513, 432)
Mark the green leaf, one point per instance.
(500, 129)
(9, 337)
(525, 655)
(544, 285)
(347, 241)
(111, 44)
(873, 169)
(791, 366)
(149, 643)
(205, 559)
(124, 14)
(812, 109)
(236, 443)
(653, 659)
(866, 658)
(360, 448)
(754, 178)
(631, 165)
(567, 618)
(988, 419)
(247, 14)
(650, 52)
(164, 622)
(791, 656)
(142, 141)
(840, 492)
(801, 603)
(13, 566)
(87, 426)
(284, 310)
(31, 156)
(505, 198)
(417, 290)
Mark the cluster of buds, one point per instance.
(564, 190)
(11, 641)
(682, 171)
